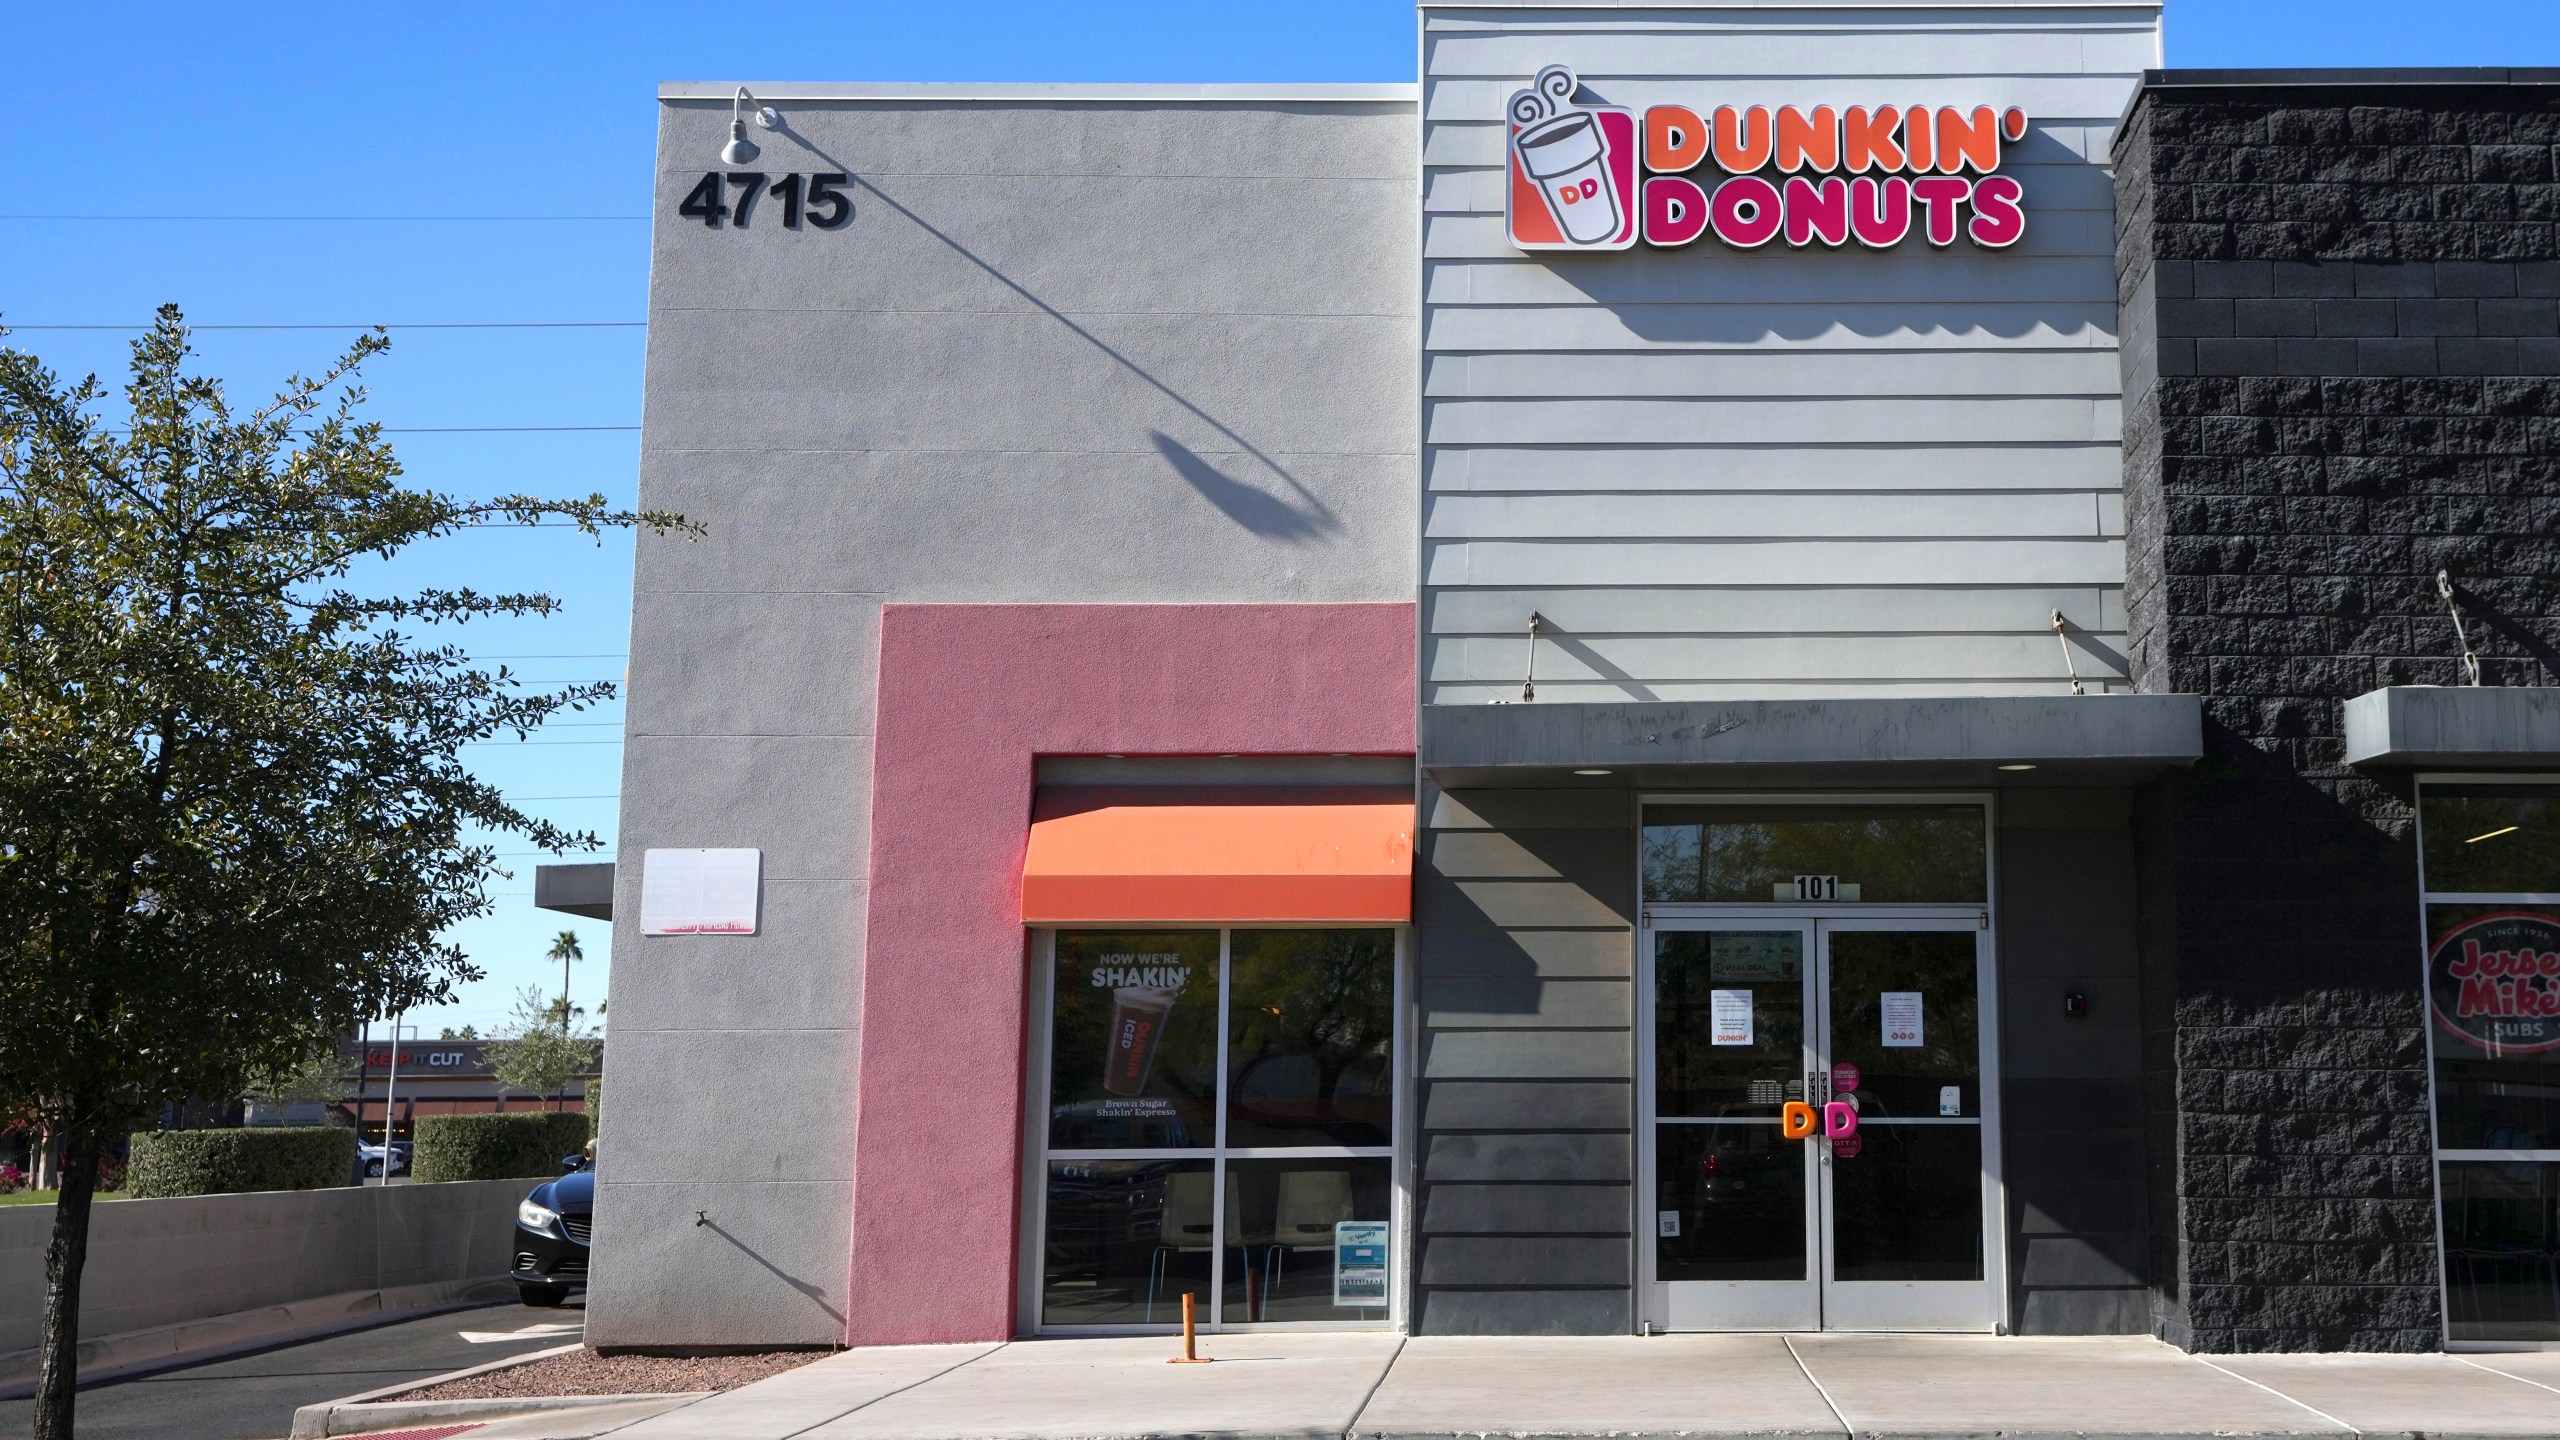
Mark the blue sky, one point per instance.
(505, 118)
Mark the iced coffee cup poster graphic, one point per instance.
(1573, 169)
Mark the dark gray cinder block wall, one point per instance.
(2071, 1087)
(2341, 354)
(1525, 1162)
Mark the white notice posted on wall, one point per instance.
(1901, 1019)
(699, 892)
(1729, 1017)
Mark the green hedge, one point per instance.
(229, 1162)
(495, 1147)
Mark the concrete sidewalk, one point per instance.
(1385, 1387)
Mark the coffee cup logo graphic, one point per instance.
(1573, 169)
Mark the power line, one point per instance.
(474, 429)
(579, 655)
(616, 796)
(403, 325)
(523, 743)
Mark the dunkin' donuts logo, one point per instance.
(2495, 981)
(1868, 175)
(1573, 169)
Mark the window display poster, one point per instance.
(1360, 1263)
(1901, 1019)
(1729, 1017)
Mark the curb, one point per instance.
(342, 1417)
(311, 1421)
(191, 1342)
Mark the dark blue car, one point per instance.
(551, 1235)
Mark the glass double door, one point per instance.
(1867, 1033)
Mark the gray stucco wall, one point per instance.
(1727, 474)
(1068, 350)
(160, 1262)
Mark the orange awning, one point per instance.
(1112, 855)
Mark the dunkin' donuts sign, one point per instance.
(2495, 982)
(1591, 178)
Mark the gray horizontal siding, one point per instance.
(1708, 468)
(1526, 1002)
(1731, 610)
(1882, 48)
(1750, 324)
(1720, 474)
(1782, 375)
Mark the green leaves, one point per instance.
(233, 807)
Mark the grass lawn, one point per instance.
(45, 1197)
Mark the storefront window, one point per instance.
(1263, 1186)
(1893, 854)
(2493, 1002)
(1308, 1036)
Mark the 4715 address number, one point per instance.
(811, 198)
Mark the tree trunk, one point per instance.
(64, 1257)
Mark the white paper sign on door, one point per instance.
(1729, 1017)
(1901, 1019)
(699, 892)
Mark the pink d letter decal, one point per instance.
(1839, 1120)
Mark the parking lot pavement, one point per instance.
(253, 1397)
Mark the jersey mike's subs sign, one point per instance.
(1600, 178)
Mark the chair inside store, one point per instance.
(1187, 1230)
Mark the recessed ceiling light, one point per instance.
(1595, 772)
(2017, 767)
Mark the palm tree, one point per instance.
(565, 948)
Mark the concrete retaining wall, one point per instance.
(163, 1262)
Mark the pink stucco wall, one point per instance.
(969, 695)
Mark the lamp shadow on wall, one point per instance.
(2499, 621)
(815, 1296)
(1273, 517)
(1599, 664)
(1298, 519)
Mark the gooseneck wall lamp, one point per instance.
(740, 150)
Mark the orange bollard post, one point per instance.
(1190, 1349)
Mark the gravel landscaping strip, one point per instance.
(584, 1372)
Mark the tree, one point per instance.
(234, 816)
(565, 948)
(541, 1048)
(465, 1033)
(319, 1078)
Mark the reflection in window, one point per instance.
(2502, 1251)
(2485, 839)
(1133, 1057)
(1308, 1035)
(1896, 854)
(1126, 1238)
(1760, 975)
(1906, 1204)
(1310, 1239)
(1729, 1203)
